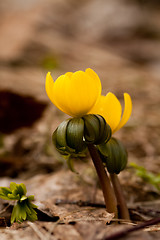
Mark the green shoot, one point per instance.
(23, 209)
(147, 176)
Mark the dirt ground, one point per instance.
(120, 41)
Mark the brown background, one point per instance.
(120, 41)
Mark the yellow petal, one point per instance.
(49, 86)
(127, 111)
(68, 74)
(76, 93)
(110, 108)
(93, 74)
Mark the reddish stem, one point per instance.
(122, 207)
(108, 192)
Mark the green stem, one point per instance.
(122, 207)
(108, 192)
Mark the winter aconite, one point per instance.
(74, 93)
(23, 209)
(94, 118)
(79, 93)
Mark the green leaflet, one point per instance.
(70, 164)
(147, 176)
(23, 209)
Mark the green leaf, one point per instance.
(13, 186)
(18, 213)
(71, 165)
(32, 217)
(13, 215)
(32, 214)
(32, 205)
(20, 190)
(13, 197)
(147, 176)
(31, 198)
(23, 213)
(5, 190)
(4, 197)
(24, 188)
(28, 211)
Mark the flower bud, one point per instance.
(114, 155)
(96, 130)
(68, 137)
(73, 135)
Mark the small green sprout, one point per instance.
(23, 209)
(147, 176)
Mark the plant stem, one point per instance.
(122, 207)
(108, 192)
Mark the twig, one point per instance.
(36, 230)
(4, 209)
(80, 203)
(124, 232)
(147, 211)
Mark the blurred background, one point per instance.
(120, 40)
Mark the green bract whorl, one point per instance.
(113, 155)
(73, 135)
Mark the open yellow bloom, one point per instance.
(74, 93)
(110, 108)
(79, 93)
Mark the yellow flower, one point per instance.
(79, 93)
(74, 93)
(110, 108)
